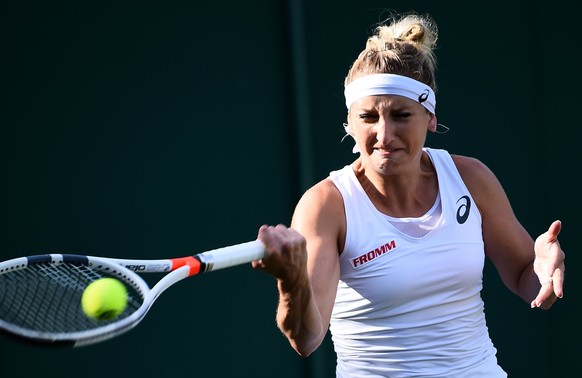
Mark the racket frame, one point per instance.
(127, 270)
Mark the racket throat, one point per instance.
(195, 264)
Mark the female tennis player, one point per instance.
(388, 251)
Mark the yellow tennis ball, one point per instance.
(104, 299)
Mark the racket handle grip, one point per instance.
(233, 255)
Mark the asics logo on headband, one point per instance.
(423, 96)
(389, 84)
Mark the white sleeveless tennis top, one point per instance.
(411, 306)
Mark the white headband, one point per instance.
(383, 84)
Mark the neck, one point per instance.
(410, 193)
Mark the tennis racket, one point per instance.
(40, 296)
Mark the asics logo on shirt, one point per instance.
(463, 209)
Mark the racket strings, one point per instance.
(47, 298)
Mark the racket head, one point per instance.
(40, 299)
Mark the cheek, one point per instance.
(360, 133)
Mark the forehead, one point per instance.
(385, 102)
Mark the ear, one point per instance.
(432, 122)
(348, 129)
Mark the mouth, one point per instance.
(385, 150)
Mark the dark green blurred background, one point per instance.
(145, 129)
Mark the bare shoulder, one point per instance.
(471, 168)
(319, 214)
(323, 198)
(474, 172)
(322, 193)
(481, 182)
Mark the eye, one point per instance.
(401, 115)
(368, 117)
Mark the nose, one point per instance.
(384, 131)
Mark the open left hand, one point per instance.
(549, 266)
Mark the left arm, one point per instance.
(532, 270)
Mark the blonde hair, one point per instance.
(402, 45)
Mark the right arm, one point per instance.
(305, 261)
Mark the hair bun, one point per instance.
(415, 34)
(415, 29)
(401, 45)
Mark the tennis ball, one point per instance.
(104, 299)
